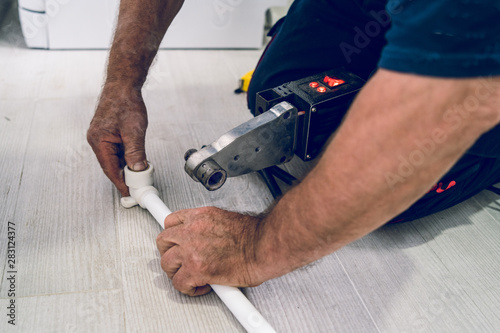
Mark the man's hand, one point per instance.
(118, 129)
(117, 133)
(209, 246)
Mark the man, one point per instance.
(433, 91)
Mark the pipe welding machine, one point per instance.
(296, 118)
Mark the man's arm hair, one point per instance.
(117, 131)
(359, 184)
(139, 31)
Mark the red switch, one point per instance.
(332, 82)
(321, 89)
(313, 84)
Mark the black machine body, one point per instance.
(296, 118)
(321, 100)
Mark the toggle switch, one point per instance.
(332, 82)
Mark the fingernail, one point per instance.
(139, 166)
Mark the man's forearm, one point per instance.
(358, 184)
(140, 28)
(117, 131)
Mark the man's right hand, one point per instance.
(118, 129)
(117, 132)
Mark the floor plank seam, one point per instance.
(24, 156)
(116, 199)
(358, 294)
(282, 306)
(16, 200)
(66, 293)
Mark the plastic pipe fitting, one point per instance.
(143, 193)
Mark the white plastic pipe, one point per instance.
(144, 194)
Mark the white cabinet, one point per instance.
(88, 24)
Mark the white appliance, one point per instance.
(88, 24)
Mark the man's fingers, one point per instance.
(108, 155)
(171, 261)
(165, 241)
(117, 133)
(174, 219)
(134, 144)
(202, 290)
(181, 282)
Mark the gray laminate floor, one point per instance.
(85, 264)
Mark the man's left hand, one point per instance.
(209, 246)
